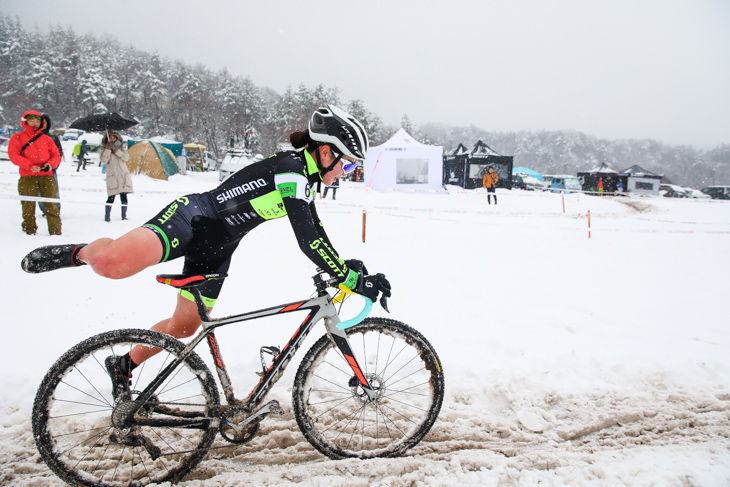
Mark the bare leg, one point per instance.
(126, 256)
(183, 323)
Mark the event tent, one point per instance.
(642, 181)
(404, 163)
(147, 157)
(467, 167)
(608, 177)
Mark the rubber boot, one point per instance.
(124, 212)
(108, 214)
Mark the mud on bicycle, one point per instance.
(369, 387)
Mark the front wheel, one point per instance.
(340, 420)
(82, 431)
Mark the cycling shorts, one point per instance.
(189, 228)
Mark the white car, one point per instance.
(696, 193)
(72, 134)
(672, 191)
(234, 160)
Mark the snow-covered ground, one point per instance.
(569, 360)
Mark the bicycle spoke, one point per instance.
(341, 419)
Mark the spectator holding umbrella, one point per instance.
(118, 179)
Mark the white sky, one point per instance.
(616, 69)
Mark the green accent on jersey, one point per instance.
(311, 164)
(269, 206)
(208, 302)
(351, 280)
(288, 189)
(164, 237)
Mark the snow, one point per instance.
(569, 360)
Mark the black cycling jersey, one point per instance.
(206, 228)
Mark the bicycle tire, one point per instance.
(332, 411)
(74, 414)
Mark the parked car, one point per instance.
(518, 183)
(696, 193)
(568, 184)
(672, 191)
(72, 134)
(4, 149)
(532, 183)
(546, 180)
(234, 160)
(717, 192)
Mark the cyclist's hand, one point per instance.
(357, 266)
(371, 286)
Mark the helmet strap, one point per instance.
(324, 170)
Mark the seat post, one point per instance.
(202, 309)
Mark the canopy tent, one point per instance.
(607, 176)
(529, 172)
(404, 163)
(195, 154)
(641, 181)
(466, 168)
(152, 159)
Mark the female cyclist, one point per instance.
(206, 228)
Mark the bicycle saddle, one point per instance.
(183, 281)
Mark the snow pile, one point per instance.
(568, 360)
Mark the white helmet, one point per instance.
(334, 126)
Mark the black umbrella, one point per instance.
(102, 122)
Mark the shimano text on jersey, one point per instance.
(239, 190)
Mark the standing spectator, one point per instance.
(600, 186)
(118, 180)
(490, 182)
(80, 152)
(619, 187)
(335, 185)
(36, 155)
(47, 131)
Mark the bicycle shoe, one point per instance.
(52, 257)
(120, 382)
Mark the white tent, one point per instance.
(404, 163)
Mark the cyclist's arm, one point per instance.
(314, 244)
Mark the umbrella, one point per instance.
(103, 121)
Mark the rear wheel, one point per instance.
(80, 429)
(335, 414)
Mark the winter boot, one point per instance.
(119, 371)
(108, 214)
(124, 212)
(52, 257)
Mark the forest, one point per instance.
(68, 76)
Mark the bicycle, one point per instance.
(369, 387)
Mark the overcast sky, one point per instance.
(616, 69)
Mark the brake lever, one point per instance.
(384, 303)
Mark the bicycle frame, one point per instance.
(320, 307)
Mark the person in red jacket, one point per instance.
(37, 156)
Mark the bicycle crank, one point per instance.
(237, 427)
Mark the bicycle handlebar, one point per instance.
(343, 325)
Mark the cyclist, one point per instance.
(206, 228)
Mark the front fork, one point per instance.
(340, 339)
